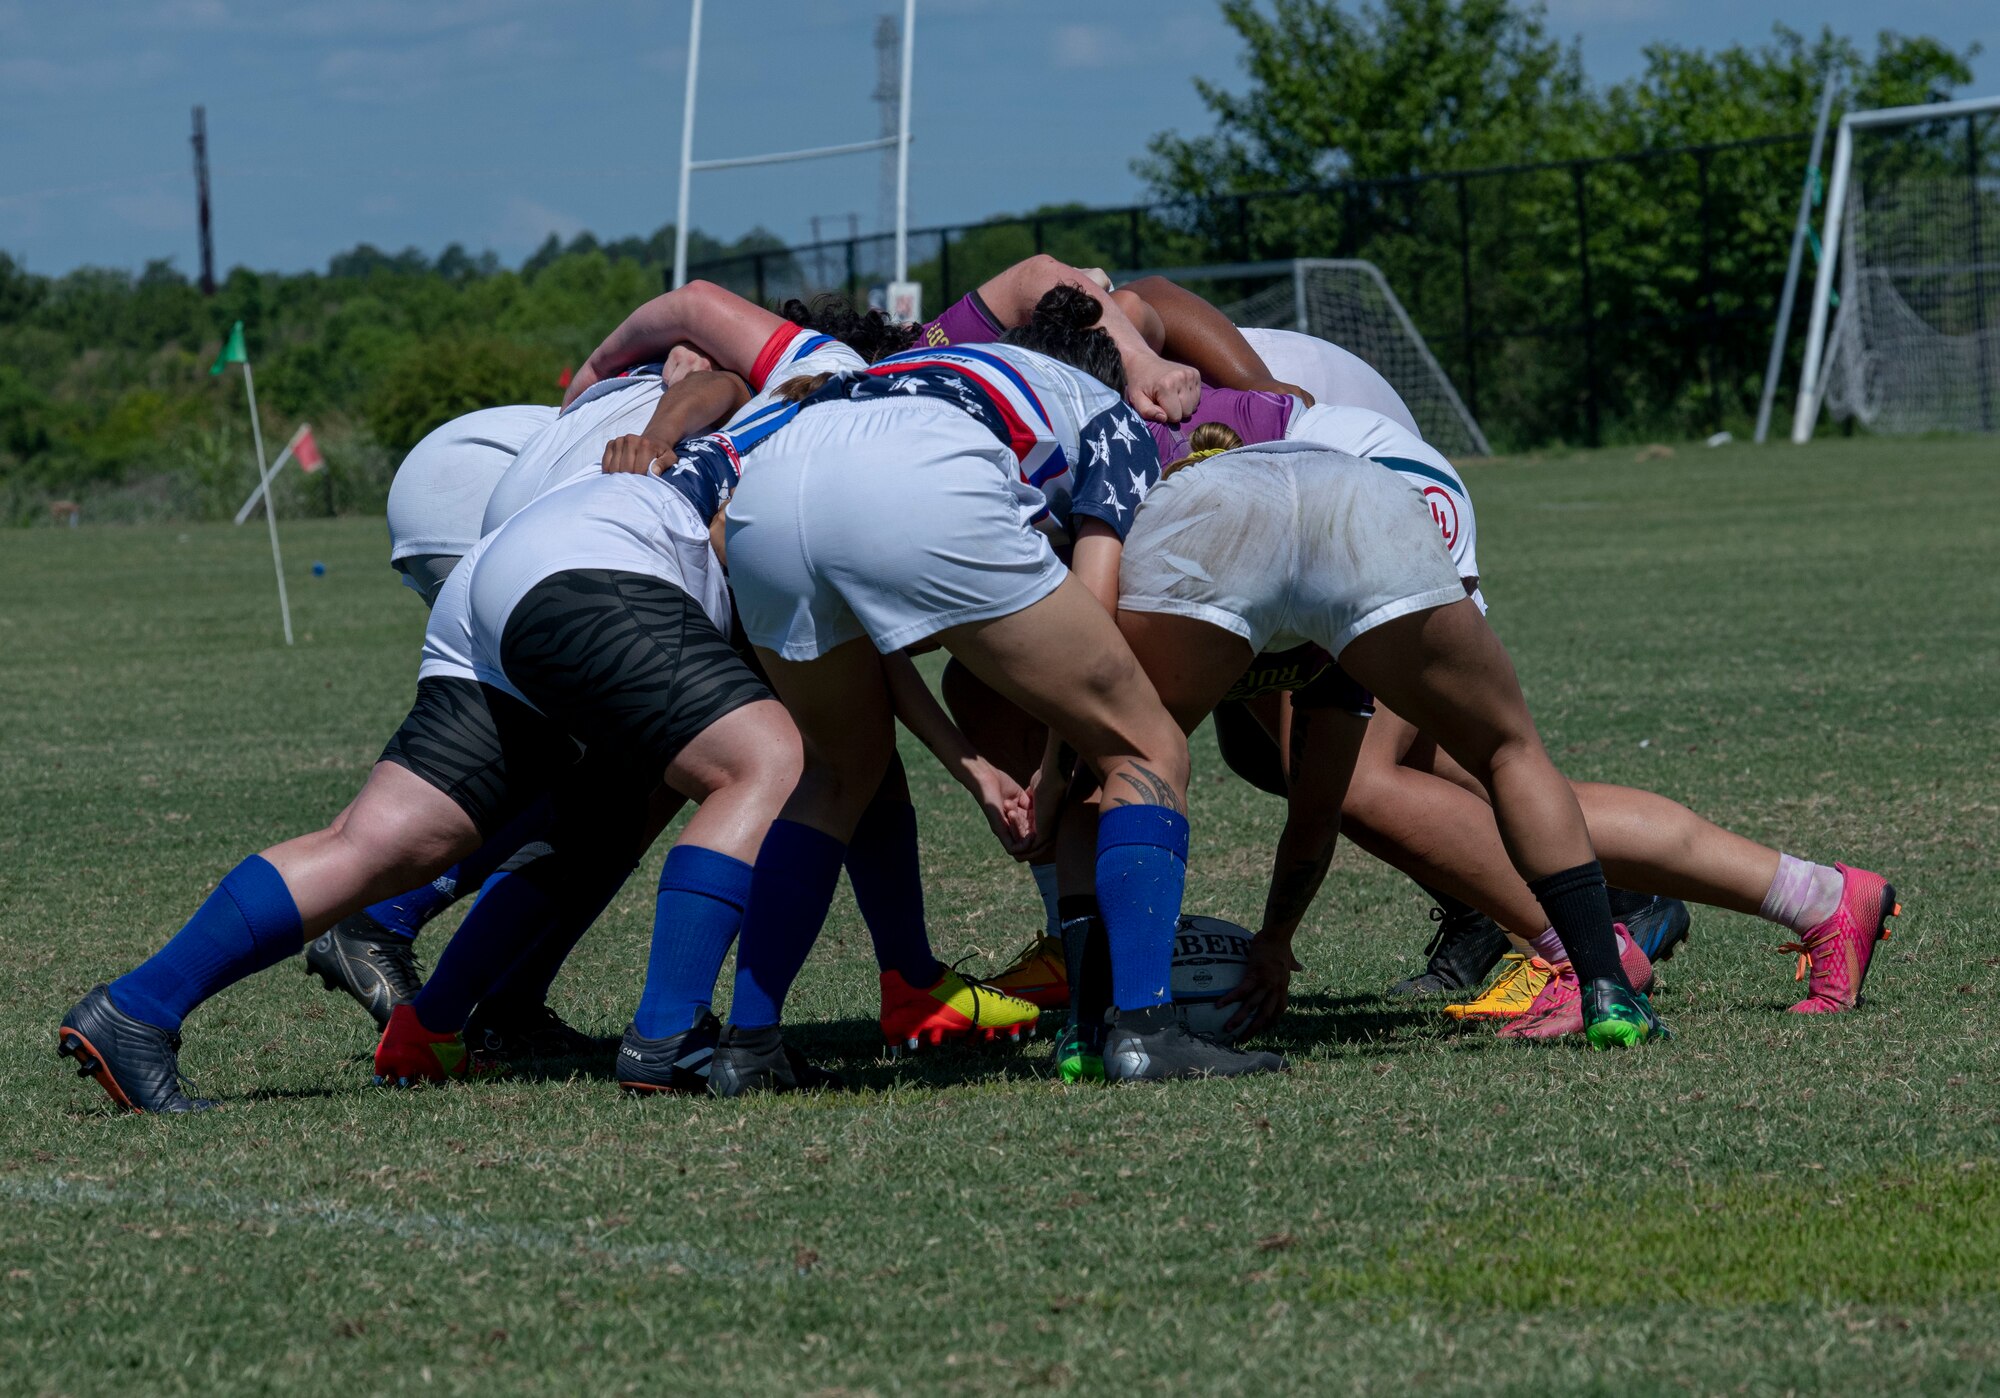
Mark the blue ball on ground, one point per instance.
(319, 570)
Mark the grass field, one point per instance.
(1804, 644)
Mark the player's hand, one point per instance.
(637, 456)
(1264, 991)
(1160, 390)
(1045, 796)
(683, 360)
(1009, 810)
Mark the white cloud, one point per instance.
(525, 223)
(155, 211)
(50, 77)
(1088, 46)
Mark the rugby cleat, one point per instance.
(1835, 954)
(1660, 927)
(136, 1063)
(1520, 981)
(1558, 1008)
(759, 1060)
(954, 1008)
(1467, 946)
(1038, 975)
(1079, 1053)
(1614, 1017)
(513, 1032)
(408, 1053)
(677, 1063)
(377, 967)
(1153, 1045)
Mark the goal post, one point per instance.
(1909, 274)
(1349, 303)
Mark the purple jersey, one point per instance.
(1252, 414)
(965, 322)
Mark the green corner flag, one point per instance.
(232, 349)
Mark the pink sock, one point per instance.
(1549, 946)
(1803, 895)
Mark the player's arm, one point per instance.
(1198, 334)
(1160, 390)
(1008, 809)
(720, 324)
(699, 403)
(1324, 745)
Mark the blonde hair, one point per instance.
(799, 389)
(1209, 439)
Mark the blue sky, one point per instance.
(495, 123)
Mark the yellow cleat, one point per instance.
(954, 1008)
(1521, 980)
(1038, 975)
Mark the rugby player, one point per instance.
(976, 448)
(1199, 595)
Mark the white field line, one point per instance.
(444, 1230)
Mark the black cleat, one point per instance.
(514, 1034)
(377, 967)
(677, 1063)
(759, 1060)
(1467, 947)
(1660, 927)
(1153, 1045)
(136, 1062)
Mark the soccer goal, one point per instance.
(1911, 244)
(1347, 302)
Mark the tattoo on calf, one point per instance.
(1152, 789)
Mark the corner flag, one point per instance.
(232, 350)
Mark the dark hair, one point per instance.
(1064, 326)
(869, 333)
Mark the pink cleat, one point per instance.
(1558, 1009)
(1836, 952)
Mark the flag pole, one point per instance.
(270, 513)
(271, 473)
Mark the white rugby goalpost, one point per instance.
(1348, 302)
(1912, 232)
(901, 142)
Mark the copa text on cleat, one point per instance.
(676, 1063)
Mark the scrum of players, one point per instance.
(700, 584)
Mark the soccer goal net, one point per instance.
(1915, 341)
(1349, 303)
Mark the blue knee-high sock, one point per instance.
(790, 891)
(888, 886)
(1141, 873)
(248, 923)
(406, 913)
(507, 917)
(702, 897)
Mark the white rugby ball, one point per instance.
(1210, 954)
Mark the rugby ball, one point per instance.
(1210, 954)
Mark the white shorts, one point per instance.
(622, 523)
(1287, 543)
(448, 648)
(891, 519)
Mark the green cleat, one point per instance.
(1079, 1056)
(1614, 1017)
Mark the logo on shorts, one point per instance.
(1444, 511)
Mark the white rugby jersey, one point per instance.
(623, 406)
(438, 498)
(1077, 449)
(1372, 436)
(1333, 376)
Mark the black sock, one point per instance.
(1087, 954)
(1580, 912)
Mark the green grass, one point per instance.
(1803, 644)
